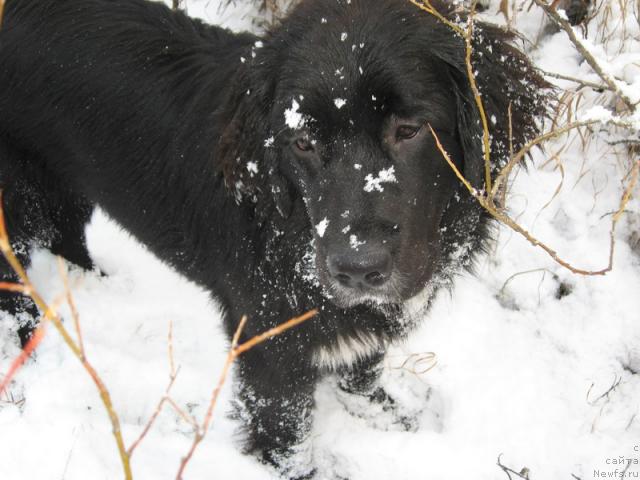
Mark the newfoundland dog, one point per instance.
(286, 172)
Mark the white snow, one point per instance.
(550, 383)
(322, 227)
(292, 117)
(339, 102)
(355, 243)
(252, 167)
(375, 183)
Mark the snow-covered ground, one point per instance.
(533, 362)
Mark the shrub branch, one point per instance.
(50, 314)
(234, 352)
(486, 198)
(584, 51)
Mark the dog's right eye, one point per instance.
(406, 132)
(304, 144)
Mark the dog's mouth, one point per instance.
(347, 297)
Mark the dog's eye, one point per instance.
(304, 144)
(405, 132)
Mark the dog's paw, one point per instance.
(401, 403)
(291, 463)
(379, 410)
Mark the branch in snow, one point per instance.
(564, 24)
(172, 378)
(485, 200)
(235, 351)
(523, 473)
(582, 83)
(51, 315)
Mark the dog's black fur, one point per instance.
(187, 135)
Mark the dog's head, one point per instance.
(338, 107)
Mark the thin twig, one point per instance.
(583, 83)
(616, 382)
(566, 26)
(508, 221)
(486, 138)
(522, 153)
(234, 352)
(15, 287)
(153, 417)
(72, 304)
(26, 352)
(517, 274)
(184, 415)
(467, 35)
(427, 7)
(524, 473)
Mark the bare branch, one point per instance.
(234, 352)
(524, 473)
(427, 7)
(566, 26)
(71, 302)
(583, 83)
(486, 137)
(52, 315)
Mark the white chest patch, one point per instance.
(347, 350)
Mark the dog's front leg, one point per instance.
(275, 404)
(362, 394)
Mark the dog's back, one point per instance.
(96, 96)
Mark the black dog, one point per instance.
(283, 173)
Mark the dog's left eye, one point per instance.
(406, 132)
(304, 144)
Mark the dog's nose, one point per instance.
(365, 269)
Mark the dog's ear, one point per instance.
(246, 151)
(507, 83)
